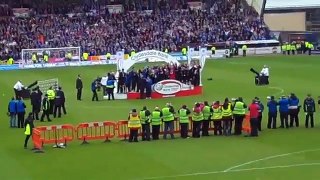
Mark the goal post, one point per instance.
(55, 55)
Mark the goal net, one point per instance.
(46, 84)
(55, 55)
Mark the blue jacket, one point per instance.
(293, 102)
(21, 107)
(272, 105)
(261, 107)
(284, 105)
(110, 82)
(12, 107)
(93, 86)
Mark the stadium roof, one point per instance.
(291, 4)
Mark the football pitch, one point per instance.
(276, 154)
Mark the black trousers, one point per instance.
(227, 125)
(184, 130)
(79, 93)
(57, 108)
(142, 94)
(205, 127)
(254, 126)
(21, 119)
(51, 106)
(259, 123)
(217, 127)
(272, 120)
(134, 85)
(26, 140)
(146, 132)
(35, 111)
(284, 119)
(238, 119)
(148, 91)
(196, 129)
(309, 116)
(45, 113)
(110, 93)
(294, 118)
(94, 95)
(155, 132)
(120, 88)
(133, 135)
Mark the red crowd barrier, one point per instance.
(246, 124)
(37, 141)
(56, 134)
(123, 130)
(95, 131)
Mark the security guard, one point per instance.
(166, 50)
(34, 58)
(217, 118)
(197, 117)
(227, 117)
(45, 108)
(310, 47)
(85, 56)
(288, 48)
(207, 113)
(213, 50)
(132, 53)
(284, 48)
(10, 61)
(239, 111)
(145, 122)
(306, 47)
(293, 48)
(168, 118)
(28, 124)
(156, 121)
(298, 47)
(134, 125)
(45, 57)
(108, 56)
(110, 87)
(244, 50)
(294, 110)
(184, 51)
(184, 113)
(51, 97)
(59, 100)
(69, 56)
(309, 108)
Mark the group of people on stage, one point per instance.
(223, 116)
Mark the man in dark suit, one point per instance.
(79, 87)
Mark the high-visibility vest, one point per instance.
(298, 46)
(134, 122)
(197, 116)
(166, 50)
(28, 130)
(156, 118)
(239, 109)
(45, 58)
(184, 51)
(310, 46)
(34, 57)
(217, 114)
(206, 112)
(213, 48)
(284, 47)
(183, 117)
(288, 47)
(167, 115)
(69, 56)
(51, 94)
(10, 61)
(85, 56)
(293, 47)
(244, 47)
(108, 56)
(227, 112)
(144, 119)
(132, 53)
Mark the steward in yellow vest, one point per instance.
(197, 117)
(51, 97)
(45, 58)
(34, 58)
(134, 125)
(213, 50)
(28, 124)
(284, 49)
(217, 117)
(10, 61)
(310, 48)
(293, 48)
(144, 115)
(244, 50)
(166, 50)
(132, 53)
(184, 51)
(239, 112)
(69, 56)
(288, 48)
(227, 117)
(108, 56)
(85, 56)
(168, 118)
(156, 116)
(184, 113)
(207, 113)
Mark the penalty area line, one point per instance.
(281, 91)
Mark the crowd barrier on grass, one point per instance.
(91, 131)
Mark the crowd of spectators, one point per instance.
(170, 25)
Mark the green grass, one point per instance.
(172, 158)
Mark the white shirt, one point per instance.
(18, 86)
(265, 71)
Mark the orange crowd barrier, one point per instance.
(123, 130)
(246, 124)
(37, 141)
(56, 134)
(96, 131)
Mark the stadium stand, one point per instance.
(171, 25)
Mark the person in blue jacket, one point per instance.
(21, 111)
(294, 108)
(94, 87)
(272, 113)
(148, 87)
(284, 110)
(12, 112)
(110, 87)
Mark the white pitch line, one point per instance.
(281, 91)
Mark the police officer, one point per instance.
(134, 125)
(227, 117)
(58, 103)
(197, 117)
(145, 122)
(28, 124)
(217, 117)
(239, 111)
(94, 86)
(168, 118)
(110, 87)
(261, 109)
(156, 121)
(79, 86)
(272, 113)
(207, 113)
(51, 97)
(184, 113)
(309, 108)
(284, 110)
(294, 110)
(45, 108)
(21, 111)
